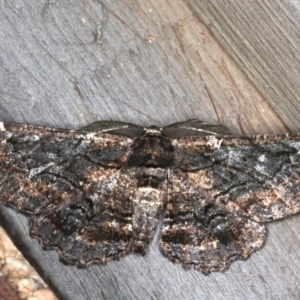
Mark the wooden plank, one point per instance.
(68, 63)
(262, 37)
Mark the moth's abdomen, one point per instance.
(148, 198)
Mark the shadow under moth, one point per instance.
(98, 193)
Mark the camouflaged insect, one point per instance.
(98, 193)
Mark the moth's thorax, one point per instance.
(152, 149)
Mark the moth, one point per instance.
(98, 193)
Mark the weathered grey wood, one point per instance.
(263, 38)
(68, 63)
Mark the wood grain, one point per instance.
(262, 37)
(69, 63)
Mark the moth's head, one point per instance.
(152, 131)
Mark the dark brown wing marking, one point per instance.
(73, 187)
(201, 234)
(259, 175)
(222, 191)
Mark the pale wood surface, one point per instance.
(68, 63)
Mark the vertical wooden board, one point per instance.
(68, 63)
(262, 37)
